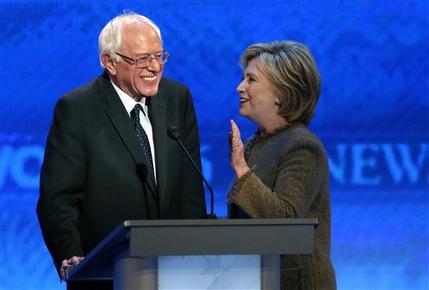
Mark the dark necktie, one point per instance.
(144, 142)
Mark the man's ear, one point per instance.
(109, 63)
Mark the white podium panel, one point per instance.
(209, 272)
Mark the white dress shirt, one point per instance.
(129, 104)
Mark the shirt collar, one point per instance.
(128, 102)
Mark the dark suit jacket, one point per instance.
(89, 180)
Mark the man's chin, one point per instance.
(149, 92)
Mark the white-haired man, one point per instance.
(108, 157)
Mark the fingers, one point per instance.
(232, 123)
(236, 146)
(234, 136)
(75, 260)
(230, 134)
(64, 266)
(234, 130)
(68, 263)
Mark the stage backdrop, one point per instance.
(373, 115)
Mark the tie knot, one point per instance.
(135, 112)
(138, 108)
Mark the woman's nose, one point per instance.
(241, 87)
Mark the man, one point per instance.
(108, 157)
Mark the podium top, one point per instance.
(215, 237)
(146, 238)
(218, 222)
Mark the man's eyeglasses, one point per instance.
(145, 60)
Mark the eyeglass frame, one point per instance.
(149, 59)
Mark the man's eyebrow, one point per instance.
(147, 53)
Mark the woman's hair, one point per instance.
(293, 73)
(110, 38)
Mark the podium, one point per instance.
(131, 253)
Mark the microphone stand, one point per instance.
(174, 134)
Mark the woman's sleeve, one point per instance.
(297, 181)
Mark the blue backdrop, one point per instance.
(373, 115)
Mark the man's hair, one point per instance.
(110, 38)
(293, 73)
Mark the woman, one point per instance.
(282, 171)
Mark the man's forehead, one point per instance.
(142, 35)
(139, 27)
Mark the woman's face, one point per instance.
(257, 97)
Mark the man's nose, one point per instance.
(154, 65)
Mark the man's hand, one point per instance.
(67, 264)
(236, 147)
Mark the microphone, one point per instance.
(173, 133)
(141, 171)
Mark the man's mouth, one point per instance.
(149, 79)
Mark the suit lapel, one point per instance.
(158, 115)
(117, 114)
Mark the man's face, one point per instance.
(138, 40)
